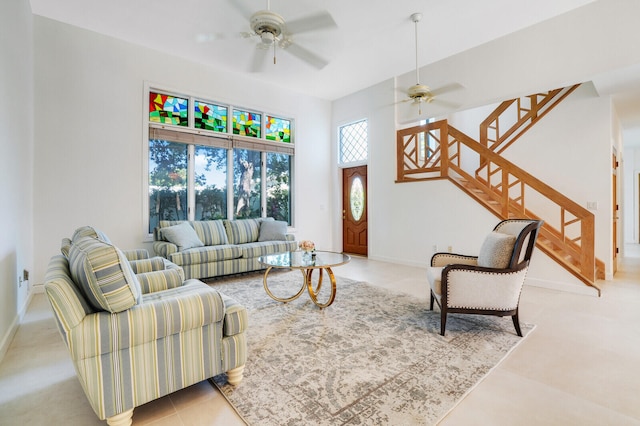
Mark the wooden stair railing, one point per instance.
(504, 189)
(514, 117)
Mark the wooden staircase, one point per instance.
(568, 234)
(512, 118)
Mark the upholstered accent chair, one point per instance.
(136, 330)
(489, 283)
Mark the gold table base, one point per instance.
(307, 282)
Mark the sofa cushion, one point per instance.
(205, 254)
(104, 274)
(182, 235)
(89, 231)
(253, 250)
(210, 232)
(496, 250)
(241, 231)
(273, 230)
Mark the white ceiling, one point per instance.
(372, 42)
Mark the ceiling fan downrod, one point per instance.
(416, 17)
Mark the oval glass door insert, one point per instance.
(356, 198)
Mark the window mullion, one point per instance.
(263, 186)
(230, 191)
(191, 183)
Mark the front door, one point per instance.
(354, 210)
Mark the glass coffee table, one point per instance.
(320, 260)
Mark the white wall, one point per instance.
(570, 150)
(631, 189)
(405, 220)
(89, 147)
(16, 162)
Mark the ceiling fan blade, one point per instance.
(447, 104)
(241, 9)
(307, 56)
(210, 37)
(318, 21)
(448, 88)
(258, 59)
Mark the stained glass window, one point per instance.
(246, 123)
(167, 109)
(277, 129)
(210, 116)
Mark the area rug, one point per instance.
(374, 357)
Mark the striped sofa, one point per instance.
(226, 246)
(135, 337)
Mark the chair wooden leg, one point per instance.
(443, 321)
(516, 323)
(122, 419)
(234, 377)
(432, 300)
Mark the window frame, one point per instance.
(346, 164)
(231, 140)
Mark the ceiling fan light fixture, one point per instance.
(267, 38)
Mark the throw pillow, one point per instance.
(182, 235)
(273, 230)
(90, 231)
(496, 250)
(104, 274)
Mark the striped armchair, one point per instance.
(134, 337)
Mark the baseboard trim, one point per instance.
(562, 286)
(13, 329)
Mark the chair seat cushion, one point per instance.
(434, 275)
(496, 250)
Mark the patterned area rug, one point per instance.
(372, 358)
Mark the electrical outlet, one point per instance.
(435, 248)
(25, 275)
(450, 249)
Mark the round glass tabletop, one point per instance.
(298, 260)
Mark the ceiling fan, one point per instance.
(273, 31)
(421, 93)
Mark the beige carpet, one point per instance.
(372, 358)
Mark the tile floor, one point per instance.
(581, 366)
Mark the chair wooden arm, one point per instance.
(444, 259)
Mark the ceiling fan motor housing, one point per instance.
(265, 21)
(421, 92)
